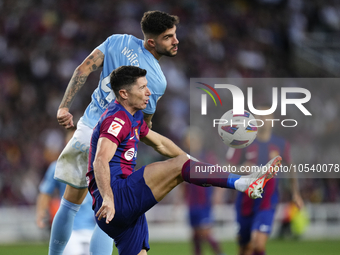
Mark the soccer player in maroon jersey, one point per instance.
(255, 217)
(121, 194)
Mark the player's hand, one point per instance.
(41, 221)
(107, 210)
(65, 118)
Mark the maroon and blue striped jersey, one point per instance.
(259, 153)
(198, 197)
(123, 129)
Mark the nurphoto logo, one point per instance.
(239, 99)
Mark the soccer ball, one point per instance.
(237, 130)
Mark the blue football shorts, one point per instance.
(128, 228)
(261, 221)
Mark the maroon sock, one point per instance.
(204, 174)
(197, 244)
(214, 245)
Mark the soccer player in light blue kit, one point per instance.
(160, 39)
(84, 221)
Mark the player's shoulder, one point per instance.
(116, 113)
(123, 38)
(115, 121)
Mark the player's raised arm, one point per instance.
(79, 77)
(106, 149)
(162, 145)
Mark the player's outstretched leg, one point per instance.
(162, 177)
(252, 184)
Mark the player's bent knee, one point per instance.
(181, 159)
(176, 163)
(179, 162)
(75, 195)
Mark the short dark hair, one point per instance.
(157, 22)
(124, 77)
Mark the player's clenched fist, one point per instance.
(65, 118)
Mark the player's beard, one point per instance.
(167, 53)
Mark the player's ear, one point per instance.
(151, 42)
(123, 93)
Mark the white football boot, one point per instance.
(259, 179)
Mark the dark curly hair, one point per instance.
(157, 22)
(124, 77)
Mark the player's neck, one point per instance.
(127, 107)
(152, 50)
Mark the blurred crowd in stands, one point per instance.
(43, 41)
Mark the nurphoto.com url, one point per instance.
(295, 168)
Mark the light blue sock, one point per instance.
(101, 243)
(62, 226)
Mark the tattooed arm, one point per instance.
(90, 64)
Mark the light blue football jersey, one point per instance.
(120, 50)
(85, 217)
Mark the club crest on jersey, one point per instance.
(114, 128)
(129, 154)
(136, 133)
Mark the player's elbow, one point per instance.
(83, 69)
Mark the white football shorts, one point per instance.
(72, 163)
(79, 243)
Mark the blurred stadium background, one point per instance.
(42, 41)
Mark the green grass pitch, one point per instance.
(275, 247)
